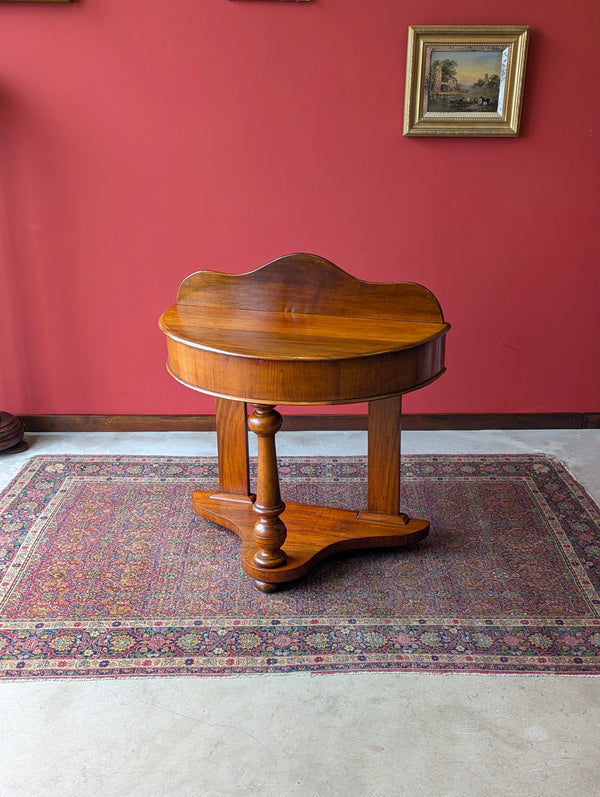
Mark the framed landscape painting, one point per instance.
(464, 81)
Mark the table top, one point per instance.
(293, 336)
(302, 331)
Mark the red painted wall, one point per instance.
(143, 140)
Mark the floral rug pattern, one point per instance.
(105, 571)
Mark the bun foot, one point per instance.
(264, 587)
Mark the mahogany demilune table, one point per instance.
(301, 331)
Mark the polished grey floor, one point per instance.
(365, 734)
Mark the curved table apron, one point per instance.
(266, 358)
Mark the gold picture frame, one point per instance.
(464, 80)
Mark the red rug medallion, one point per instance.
(106, 571)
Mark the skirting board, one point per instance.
(298, 423)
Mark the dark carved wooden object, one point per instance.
(11, 434)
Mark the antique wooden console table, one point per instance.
(301, 331)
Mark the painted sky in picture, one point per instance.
(471, 65)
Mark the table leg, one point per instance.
(385, 427)
(232, 442)
(269, 530)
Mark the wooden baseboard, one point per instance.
(334, 422)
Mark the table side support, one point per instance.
(384, 455)
(269, 530)
(232, 445)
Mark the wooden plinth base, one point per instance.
(313, 533)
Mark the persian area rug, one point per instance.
(106, 571)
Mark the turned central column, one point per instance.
(269, 530)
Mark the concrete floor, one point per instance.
(365, 735)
